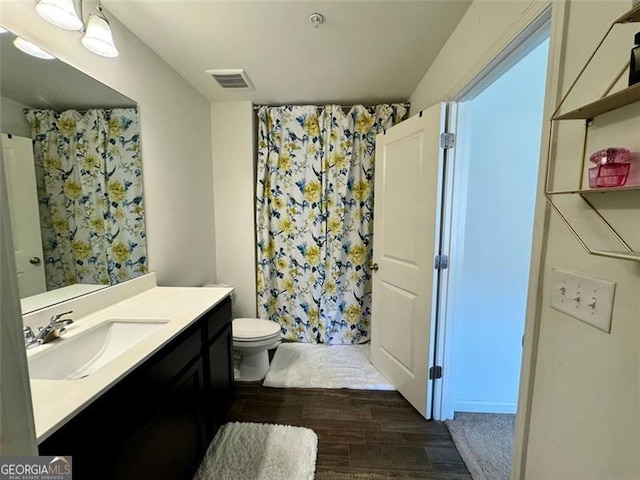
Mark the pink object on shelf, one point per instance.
(610, 155)
(612, 167)
(608, 175)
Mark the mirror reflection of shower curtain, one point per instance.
(314, 218)
(89, 181)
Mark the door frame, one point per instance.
(558, 12)
(458, 183)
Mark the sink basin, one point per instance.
(75, 357)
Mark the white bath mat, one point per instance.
(304, 365)
(258, 451)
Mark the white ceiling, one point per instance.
(365, 52)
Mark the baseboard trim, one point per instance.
(485, 407)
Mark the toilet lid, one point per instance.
(254, 328)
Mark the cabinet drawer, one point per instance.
(170, 360)
(216, 319)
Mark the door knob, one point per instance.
(35, 260)
(374, 267)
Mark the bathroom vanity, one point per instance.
(151, 411)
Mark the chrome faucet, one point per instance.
(30, 339)
(53, 330)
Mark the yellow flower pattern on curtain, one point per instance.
(89, 182)
(314, 218)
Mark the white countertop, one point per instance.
(56, 401)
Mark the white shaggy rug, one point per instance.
(304, 365)
(258, 451)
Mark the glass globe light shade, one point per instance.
(31, 49)
(98, 38)
(61, 13)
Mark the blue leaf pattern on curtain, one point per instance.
(89, 182)
(314, 219)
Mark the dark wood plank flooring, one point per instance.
(362, 434)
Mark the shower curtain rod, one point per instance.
(344, 107)
(82, 112)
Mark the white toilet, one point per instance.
(252, 337)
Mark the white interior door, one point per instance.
(25, 219)
(406, 227)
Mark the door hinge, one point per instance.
(447, 140)
(435, 372)
(441, 262)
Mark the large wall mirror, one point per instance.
(71, 149)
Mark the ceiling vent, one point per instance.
(235, 78)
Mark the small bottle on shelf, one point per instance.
(612, 167)
(634, 65)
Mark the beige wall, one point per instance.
(176, 142)
(585, 417)
(477, 39)
(585, 403)
(12, 119)
(233, 188)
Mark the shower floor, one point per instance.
(368, 435)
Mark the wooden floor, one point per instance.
(361, 434)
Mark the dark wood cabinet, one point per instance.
(220, 378)
(171, 444)
(157, 422)
(217, 342)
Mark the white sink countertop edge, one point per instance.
(57, 401)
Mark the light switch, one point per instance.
(586, 298)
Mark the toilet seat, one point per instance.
(254, 330)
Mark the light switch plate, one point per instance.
(586, 298)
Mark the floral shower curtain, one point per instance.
(314, 218)
(89, 182)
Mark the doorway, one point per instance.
(488, 229)
(488, 232)
(498, 152)
(484, 202)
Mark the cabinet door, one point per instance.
(171, 445)
(220, 379)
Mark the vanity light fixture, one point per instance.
(96, 35)
(31, 49)
(62, 13)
